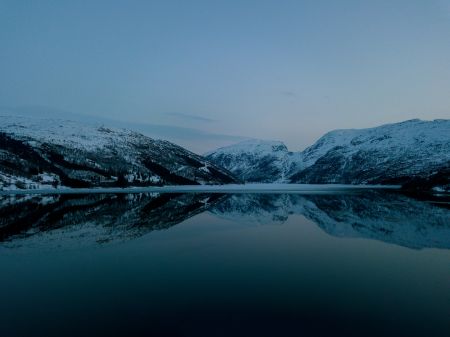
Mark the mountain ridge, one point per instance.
(396, 153)
(43, 153)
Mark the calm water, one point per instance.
(353, 264)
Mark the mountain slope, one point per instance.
(393, 153)
(398, 153)
(256, 160)
(38, 152)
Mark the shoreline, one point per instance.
(232, 188)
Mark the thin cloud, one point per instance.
(190, 117)
(289, 93)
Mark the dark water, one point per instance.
(359, 264)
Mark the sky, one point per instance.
(214, 72)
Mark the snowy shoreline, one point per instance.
(232, 188)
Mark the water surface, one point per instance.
(196, 264)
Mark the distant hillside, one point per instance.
(257, 160)
(413, 153)
(44, 153)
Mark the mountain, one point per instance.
(257, 160)
(410, 152)
(393, 153)
(189, 137)
(43, 153)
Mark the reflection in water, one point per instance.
(226, 271)
(94, 218)
(388, 217)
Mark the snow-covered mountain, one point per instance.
(257, 160)
(37, 153)
(396, 153)
(393, 153)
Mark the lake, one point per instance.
(353, 263)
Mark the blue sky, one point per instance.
(285, 70)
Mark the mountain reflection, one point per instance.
(95, 218)
(78, 219)
(386, 216)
